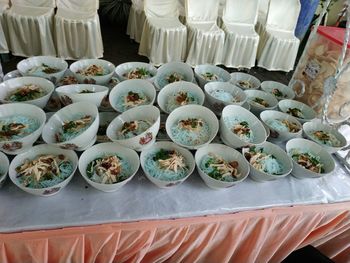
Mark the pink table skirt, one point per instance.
(255, 236)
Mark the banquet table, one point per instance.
(251, 222)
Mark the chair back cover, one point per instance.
(283, 14)
(263, 10)
(161, 8)
(202, 10)
(81, 6)
(241, 11)
(138, 4)
(34, 3)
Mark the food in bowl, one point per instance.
(25, 93)
(68, 80)
(191, 131)
(44, 171)
(108, 169)
(167, 165)
(93, 70)
(72, 128)
(16, 127)
(283, 125)
(259, 102)
(224, 96)
(278, 94)
(239, 127)
(131, 99)
(180, 98)
(174, 77)
(208, 76)
(263, 161)
(307, 160)
(133, 128)
(325, 138)
(218, 168)
(138, 73)
(295, 112)
(43, 68)
(244, 84)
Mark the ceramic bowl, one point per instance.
(133, 85)
(10, 86)
(143, 140)
(4, 168)
(123, 70)
(38, 150)
(233, 140)
(168, 92)
(255, 107)
(103, 149)
(12, 75)
(16, 146)
(279, 90)
(307, 112)
(308, 146)
(82, 92)
(192, 111)
(85, 63)
(33, 67)
(229, 155)
(250, 81)
(277, 135)
(170, 68)
(105, 119)
(310, 127)
(216, 104)
(200, 70)
(281, 156)
(68, 113)
(189, 160)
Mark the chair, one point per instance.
(205, 39)
(30, 27)
(163, 37)
(136, 20)
(4, 5)
(278, 47)
(78, 31)
(241, 40)
(263, 10)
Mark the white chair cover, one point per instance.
(4, 5)
(279, 46)
(30, 27)
(241, 41)
(205, 39)
(136, 20)
(163, 37)
(78, 31)
(262, 15)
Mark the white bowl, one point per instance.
(317, 125)
(169, 90)
(143, 140)
(223, 75)
(105, 119)
(173, 67)
(83, 140)
(218, 105)
(257, 108)
(317, 150)
(189, 160)
(17, 146)
(277, 135)
(308, 112)
(281, 156)
(125, 68)
(26, 66)
(85, 63)
(4, 168)
(233, 140)
(239, 76)
(134, 85)
(11, 85)
(72, 93)
(227, 154)
(102, 149)
(33, 153)
(193, 111)
(12, 74)
(270, 86)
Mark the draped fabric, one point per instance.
(35, 3)
(136, 21)
(3, 34)
(256, 236)
(84, 6)
(30, 30)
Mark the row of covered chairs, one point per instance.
(66, 28)
(232, 42)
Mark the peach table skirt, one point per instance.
(255, 236)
